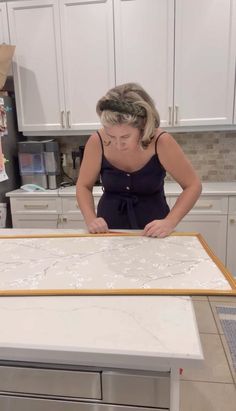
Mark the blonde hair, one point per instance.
(130, 104)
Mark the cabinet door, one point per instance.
(37, 67)
(231, 238)
(72, 221)
(231, 241)
(144, 41)
(205, 53)
(88, 58)
(212, 227)
(35, 220)
(4, 35)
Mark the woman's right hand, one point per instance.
(98, 225)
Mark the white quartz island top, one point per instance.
(134, 332)
(144, 332)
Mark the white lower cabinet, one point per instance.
(44, 387)
(35, 211)
(35, 220)
(231, 239)
(209, 218)
(213, 228)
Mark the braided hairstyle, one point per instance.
(130, 104)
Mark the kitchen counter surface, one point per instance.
(135, 332)
(171, 189)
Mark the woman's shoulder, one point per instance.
(93, 143)
(162, 137)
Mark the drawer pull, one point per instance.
(68, 119)
(202, 206)
(176, 114)
(35, 206)
(232, 220)
(170, 115)
(63, 119)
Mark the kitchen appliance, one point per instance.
(39, 163)
(9, 148)
(80, 154)
(52, 164)
(31, 162)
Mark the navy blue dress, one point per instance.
(132, 200)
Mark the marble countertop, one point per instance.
(133, 332)
(172, 189)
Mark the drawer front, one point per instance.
(36, 205)
(70, 205)
(232, 205)
(136, 389)
(208, 205)
(35, 220)
(34, 404)
(61, 383)
(72, 220)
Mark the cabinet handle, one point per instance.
(68, 118)
(64, 219)
(176, 114)
(232, 220)
(170, 115)
(35, 206)
(63, 119)
(202, 206)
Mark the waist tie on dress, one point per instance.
(126, 205)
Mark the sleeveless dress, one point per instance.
(131, 200)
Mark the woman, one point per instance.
(132, 155)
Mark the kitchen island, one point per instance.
(95, 352)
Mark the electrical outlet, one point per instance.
(63, 160)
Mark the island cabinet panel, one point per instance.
(120, 389)
(137, 389)
(54, 382)
(33, 404)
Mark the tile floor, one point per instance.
(213, 386)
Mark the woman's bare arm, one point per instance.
(88, 174)
(178, 166)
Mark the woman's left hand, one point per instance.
(158, 228)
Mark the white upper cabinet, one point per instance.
(205, 50)
(4, 35)
(64, 62)
(37, 66)
(88, 58)
(69, 53)
(144, 49)
(189, 70)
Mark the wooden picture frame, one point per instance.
(136, 291)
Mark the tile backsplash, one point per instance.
(213, 154)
